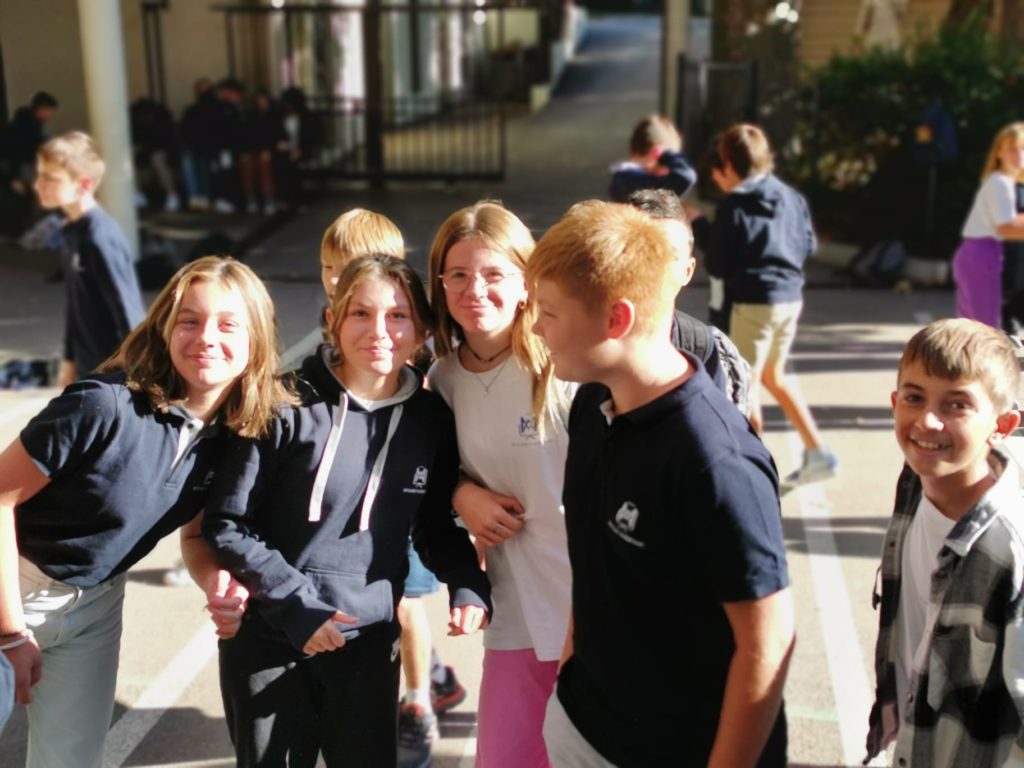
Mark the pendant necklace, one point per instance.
(488, 384)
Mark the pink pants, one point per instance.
(514, 694)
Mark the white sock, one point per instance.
(419, 696)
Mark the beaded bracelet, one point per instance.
(22, 638)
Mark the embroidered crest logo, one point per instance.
(625, 518)
(419, 478)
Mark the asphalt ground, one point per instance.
(168, 706)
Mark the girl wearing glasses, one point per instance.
(510, 418)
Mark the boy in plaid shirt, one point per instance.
(950, 654)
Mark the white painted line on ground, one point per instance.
(128, 732)
(469, 751)
(923, 318)
(217, 762)
(850, 686)
(300, 349)
(30, 406)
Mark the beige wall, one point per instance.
(42, 51)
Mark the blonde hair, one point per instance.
(501, 231)
(146, 361)
(601, 252)
(960, 349)
(1013, 132)
(77, 154)
(382, 266)
(359, 232)
(654, 131)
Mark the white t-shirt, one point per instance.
(924, 539)
(995, 204)
(500, 448)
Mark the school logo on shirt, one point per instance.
(624, 523)
(76, 262)
(526, 431)
(419, 481)
(202, 486)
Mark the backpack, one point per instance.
(719, 355)
(880, 265)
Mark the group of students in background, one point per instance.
(598, 448)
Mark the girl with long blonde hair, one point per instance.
(510, 417)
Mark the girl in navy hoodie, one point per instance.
(314, 521)
(111, 465)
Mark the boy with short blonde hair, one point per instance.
(659, 461)
(950, 650)
(100, 285)
(357, 232)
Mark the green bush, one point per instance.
(859, 120)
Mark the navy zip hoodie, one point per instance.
(758, 243)
(628, 177)
(315, 517)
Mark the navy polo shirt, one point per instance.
(117, 482)
(671, 510)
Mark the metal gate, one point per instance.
(405, 90)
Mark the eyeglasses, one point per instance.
(458, 280)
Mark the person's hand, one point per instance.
(328, 637)
(226, 600)
(467, 619)
(67, 375)
(27, 661)
(693, 212)
(490, 517)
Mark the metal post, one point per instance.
(374, 116)
(106, 89)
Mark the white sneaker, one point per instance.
(269, 209)
(220, 205)
(172, 204)
(819, 464)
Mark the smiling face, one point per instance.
(945, 428)
(376, 336)
(493, 288)
(572, 333)
(209, 341)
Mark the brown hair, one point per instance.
(600, 252)
(77, 154)
(382, 266)
(359, 232)
(1013, 132)
(146, 361)
(960, 349)
(654, 131)
(745, 148)
(500, 230)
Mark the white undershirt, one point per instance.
(499, 447)
(924, 539)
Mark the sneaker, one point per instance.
(220, 205)
(199, 203)
(173, 203)
(269, 209)
(447, 695)
(417, 734)
(819, 464)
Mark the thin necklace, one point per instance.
(487, 385)
(490, 359)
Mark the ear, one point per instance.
(329, 316)
(1005, 425)
(892, 399)
(621, 318)
(85, 185)
(689, 266)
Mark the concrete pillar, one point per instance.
(106, 88)
(674, 26)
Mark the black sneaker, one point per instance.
(417, 733)
(447, 695)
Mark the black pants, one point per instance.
(343, 703)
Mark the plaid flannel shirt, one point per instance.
(965, 705)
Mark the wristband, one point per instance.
(22, 638)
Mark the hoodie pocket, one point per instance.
(369, 602)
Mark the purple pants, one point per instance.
(978, 274)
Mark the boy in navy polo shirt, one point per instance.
(100, 285)
(660, 464)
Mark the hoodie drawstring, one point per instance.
(378, 469)
(327, 460)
